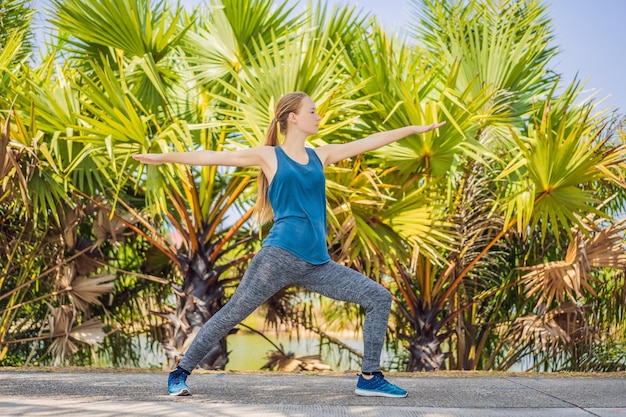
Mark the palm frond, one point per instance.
(551, 179)
(357, 229)
(212, 49)
(143, 32)
(16, 26)
(553, 329)
(505, 47)
(63, 328)
(90, 332)
(89, 289)
(138, 27)
(555, 280)
(418, 218)
(84, 290)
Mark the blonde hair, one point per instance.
(289, 103)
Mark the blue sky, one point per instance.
(590, 35)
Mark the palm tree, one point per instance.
(66, 241)
(202, 106)
(45, 296)
(115, 125)
(487, 190)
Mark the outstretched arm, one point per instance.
(247, 157)
(330, 154)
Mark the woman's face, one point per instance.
(307, 119)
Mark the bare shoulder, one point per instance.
(257, 152)
(265, 152)
(267, 156)
(324, 153)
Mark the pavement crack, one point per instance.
(553, 396)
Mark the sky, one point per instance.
(590, 36)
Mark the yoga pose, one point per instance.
(292, 188)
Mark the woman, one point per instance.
(292, 187)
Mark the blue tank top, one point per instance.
(297, 194)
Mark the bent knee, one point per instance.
(381, 297)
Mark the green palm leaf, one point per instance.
(251, 19)
(138, 35)
(137, 27)
(16, 23)
(505, 46)
(307, 64)
(226, 28)
(419, 219)
(406, 88)
(554, 174)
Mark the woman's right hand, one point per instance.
(149, 158)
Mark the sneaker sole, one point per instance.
(366, 393)
(181, 393)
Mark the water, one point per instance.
(248, 351)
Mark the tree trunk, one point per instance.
(425, 346)
(201, 296)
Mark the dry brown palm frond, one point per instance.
(62, 348)
(62, 329)
(84, 290)
(87, 289)
(71, 219)
(89, 332)
(10, 170)
(279, 360)
(560, 326)
(606, 248)
(61, 320)
(288, 362)
(65, 276)
(602, 249)
(554, 280)
(69, 224)
(570, 317)
(87, 263)
(107, 228)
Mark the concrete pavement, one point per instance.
(101, 392)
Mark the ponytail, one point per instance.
(263, 208)
(289, 103)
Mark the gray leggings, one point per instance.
(274, 268)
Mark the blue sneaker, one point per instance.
(378, 386)
(176, 384)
